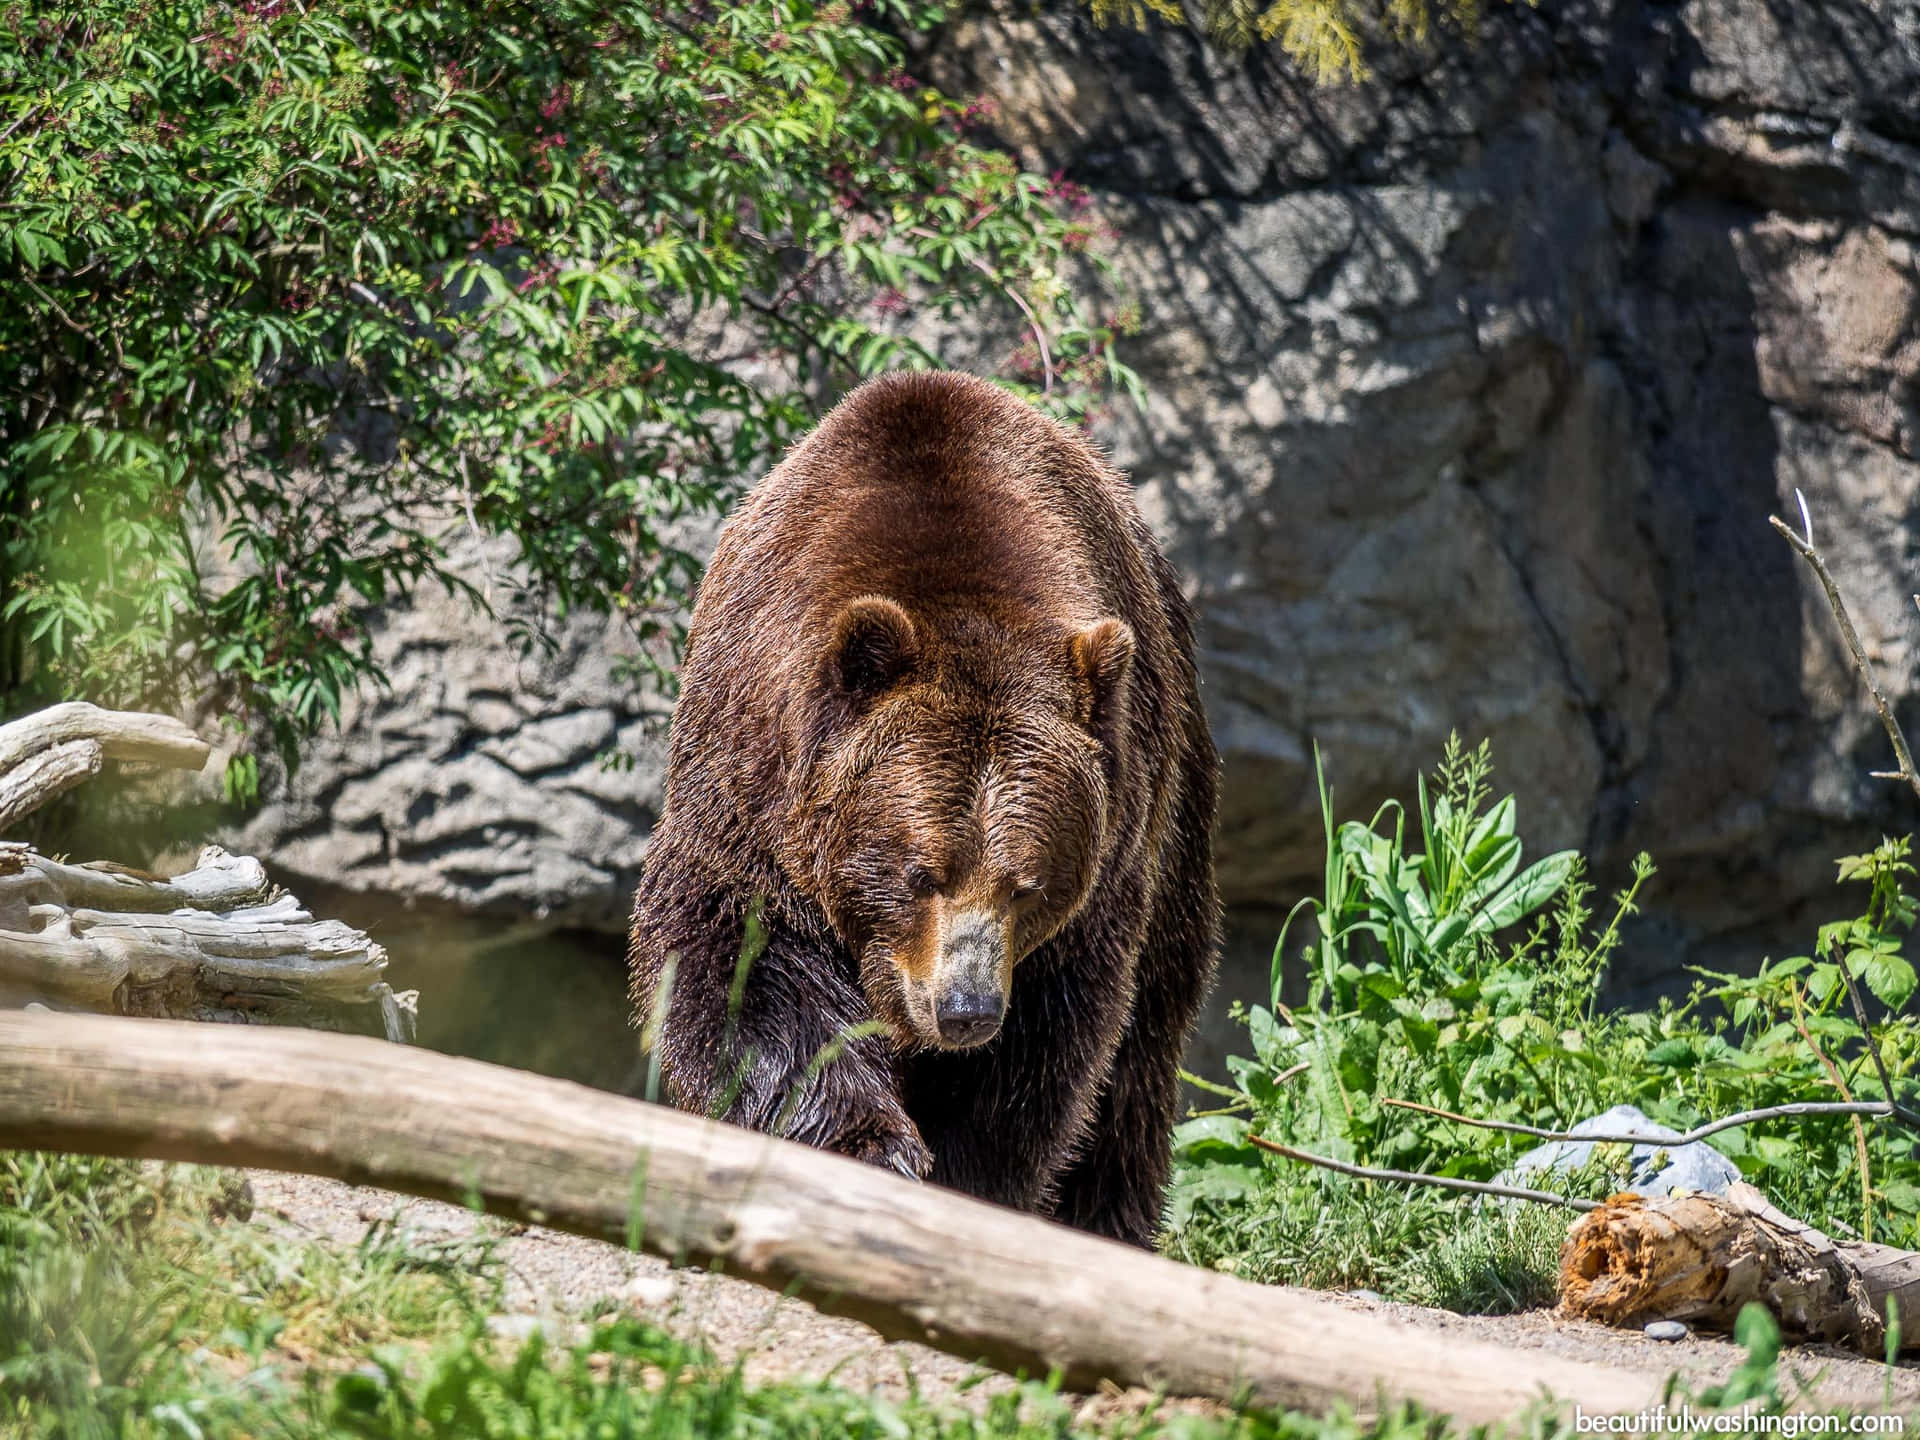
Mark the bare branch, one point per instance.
(1804, 546)
(119, 356)
(1413, 1177)
(1894, 1107)
(41, 777)
(1877, 1108)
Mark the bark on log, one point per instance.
(1700, 1258)
(52, 750)
(913, 1260)
(43, 776)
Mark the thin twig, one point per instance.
(25, 115)
(1894, 1107)
(1879, 1108)
(1840, 1084)
(1411, 1177)
(119, 357)
(1804, 545)
(1033, 320)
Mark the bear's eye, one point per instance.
(1026, 890)
(920, 881)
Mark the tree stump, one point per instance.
(1701, 1258)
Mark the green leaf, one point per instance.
(1674, 1054)
(1216, 1129)
(1531, 889)
(1890, 978)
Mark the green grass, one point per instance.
(133, 1297)
(1329, 1233)
(135, 1302)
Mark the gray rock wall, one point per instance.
(1472, 390)
(520, 783)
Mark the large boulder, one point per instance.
(1472, 390)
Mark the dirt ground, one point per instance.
(552, 1279)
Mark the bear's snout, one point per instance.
(969, 1017)
(970, 996)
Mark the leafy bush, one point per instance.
(1421, 991)
(291, 292)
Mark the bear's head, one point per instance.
(950, 808)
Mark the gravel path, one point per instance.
(552, 1278)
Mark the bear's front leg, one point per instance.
(851, 1105)
(786, 1047)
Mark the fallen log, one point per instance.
(915, 1261)
(217, 943)
(1701, 1258)
(50, 751)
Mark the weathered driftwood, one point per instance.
(218, 943)
(914, 1260)
(51, 751)
(1700, 1258)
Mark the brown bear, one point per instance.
(934, 886)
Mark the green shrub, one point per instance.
(1450, 977)
(317, 285)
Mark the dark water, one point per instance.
(555, 1002)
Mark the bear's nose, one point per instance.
(969, 1017)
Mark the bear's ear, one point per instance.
(874, 646)
(1102, 656)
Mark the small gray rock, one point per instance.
(1667, 1330)
(513, 1327)
(1366, 1295)
(1658, 1168)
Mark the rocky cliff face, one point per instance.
(1472, 390)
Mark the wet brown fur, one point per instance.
(939, 668)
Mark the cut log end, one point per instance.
(1627, 1263)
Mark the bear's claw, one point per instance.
(904, 1153)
